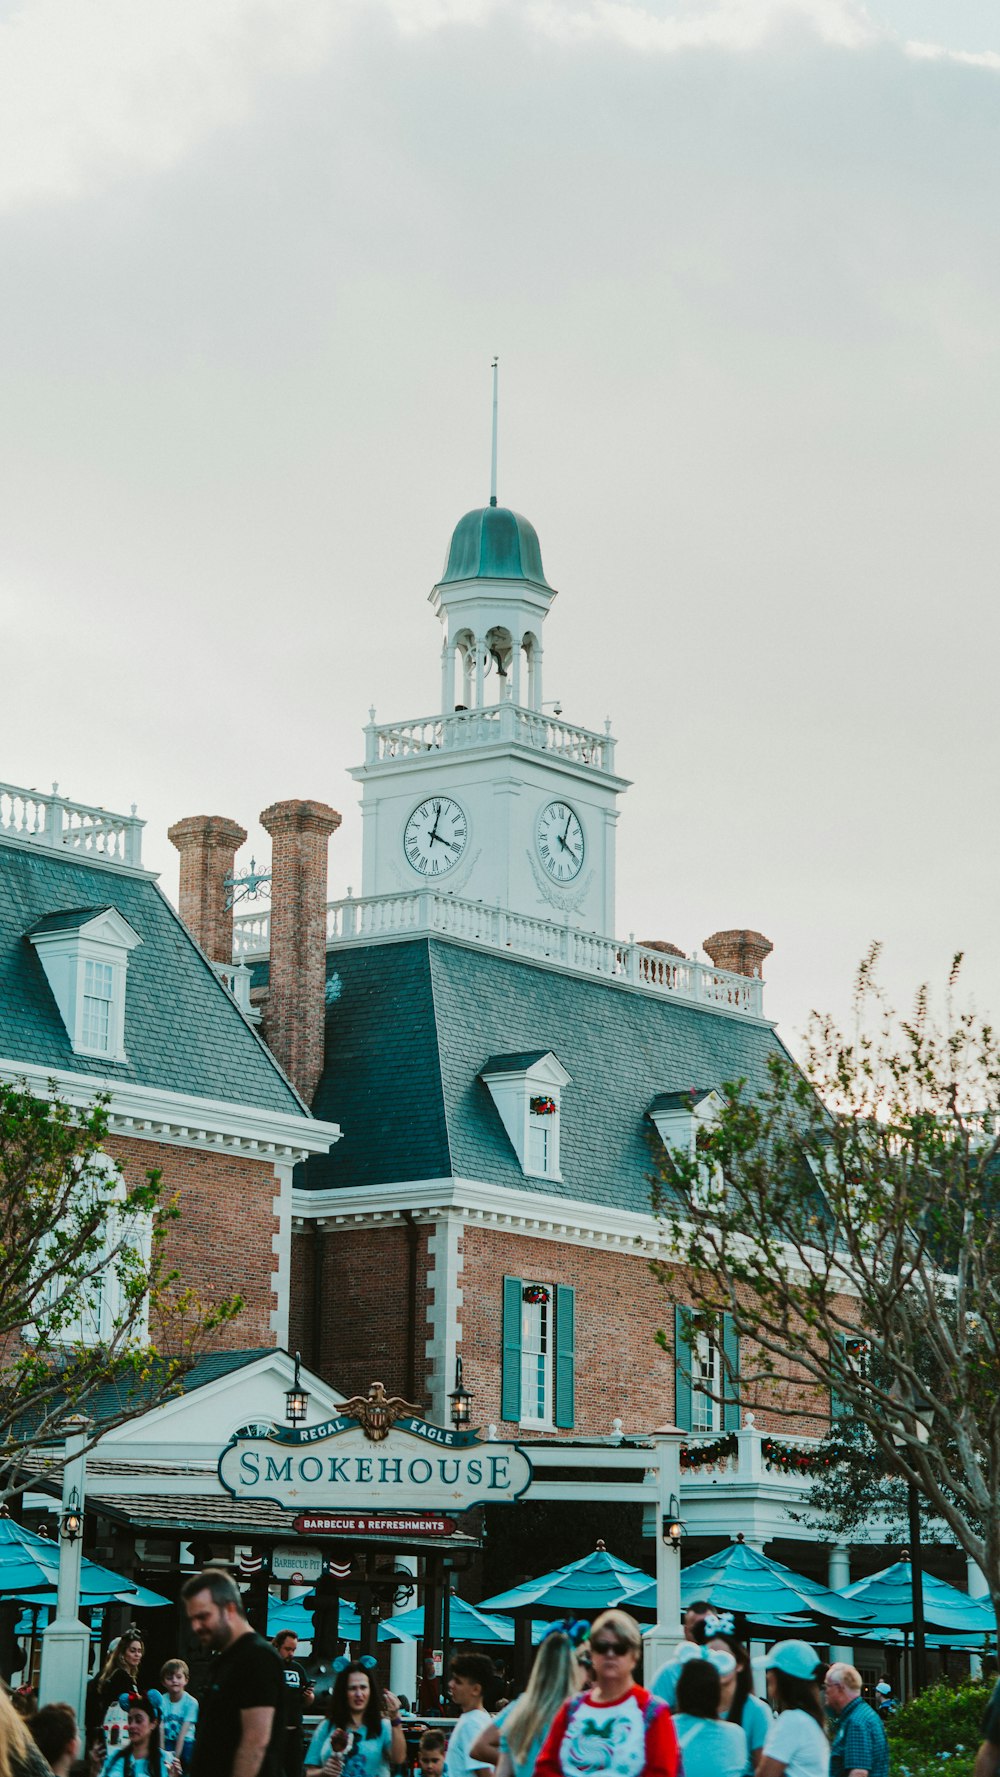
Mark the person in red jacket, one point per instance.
(616, 1729)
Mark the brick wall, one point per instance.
(222, 1242)
(365, 1326)
(620, 1369)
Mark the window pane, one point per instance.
(704, 1410)
(535, 1360)
(98, 987)
(538, 1144)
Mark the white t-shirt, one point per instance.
(467, 1728)
(799, 1743)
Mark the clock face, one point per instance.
(435, 836)
(559, 838)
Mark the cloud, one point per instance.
(969, 58)
(94, 91)
(702, 24)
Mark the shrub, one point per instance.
(937, 1731)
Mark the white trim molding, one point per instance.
(441, 1348)
(522, 1212)
(150, 1113)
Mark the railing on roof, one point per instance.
(484, 727)
(376, 917)
(53, 820)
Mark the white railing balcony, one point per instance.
(501, 722)
(378, 918)
(54, 821)
(236, 977)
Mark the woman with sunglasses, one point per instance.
(614, 1729)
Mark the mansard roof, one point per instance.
(183, 1032)
(412, 1026)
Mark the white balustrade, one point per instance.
(54, 821)
(485, 727)
(366, 920)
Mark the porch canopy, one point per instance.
(581, 1588)
(767, 1593)
(888, 1595)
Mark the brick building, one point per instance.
(103, 990)
(508, 1075)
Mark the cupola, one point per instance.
(494, 543)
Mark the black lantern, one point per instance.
(71, 1522)
(296, 1398)
(461, 1401)
(673, 1524)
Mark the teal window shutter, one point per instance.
(682, 1369)
(565, 1349)
(730, 1380)
(510, 1380)
(839, 1407)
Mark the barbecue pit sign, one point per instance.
(339, 1466)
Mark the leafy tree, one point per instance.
(92, 1318)
(846, 1217)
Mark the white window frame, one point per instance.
(103, 938)
(104, 1307)
(706, 1366)
(541, 1314)
(512, 1092)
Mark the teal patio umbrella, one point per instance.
(29, 1570)
(465, 1623)
(764, 1591)
(888, 1596)
(581, 1588)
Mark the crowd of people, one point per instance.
(583, 1712)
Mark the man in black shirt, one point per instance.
(298, 1695)
(241, 1721)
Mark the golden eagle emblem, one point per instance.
(375, 1412)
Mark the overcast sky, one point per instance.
(740, 261)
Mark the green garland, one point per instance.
(791, 1459)
(701, 1455)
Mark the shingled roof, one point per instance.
(183, 1033)
(411, 1027)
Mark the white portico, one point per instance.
(494, 799)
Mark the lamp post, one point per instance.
(66, 1641)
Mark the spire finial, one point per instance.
(493, 460)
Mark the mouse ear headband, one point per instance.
(341, 1663)
(575, 1631)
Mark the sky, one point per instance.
(740, 260)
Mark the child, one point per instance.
(180, 1712)
(430, 1753)
(471, 1679)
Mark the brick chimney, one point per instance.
(294, 1019)
(208, 844)
(661, 945)
(742, 953)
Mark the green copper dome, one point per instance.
(493, 543)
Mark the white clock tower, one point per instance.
(495, 800)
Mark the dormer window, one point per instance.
(527, 1089)
(85, 953)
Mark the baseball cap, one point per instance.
(796, 1658)
(884, 1690)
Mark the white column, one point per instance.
(977, 1587)
(515, 668)
(66, 1641)
(447, 680)
(403, 1658)
(537, 659)
(480, 671)
(659, 1641)
(838, 1575)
